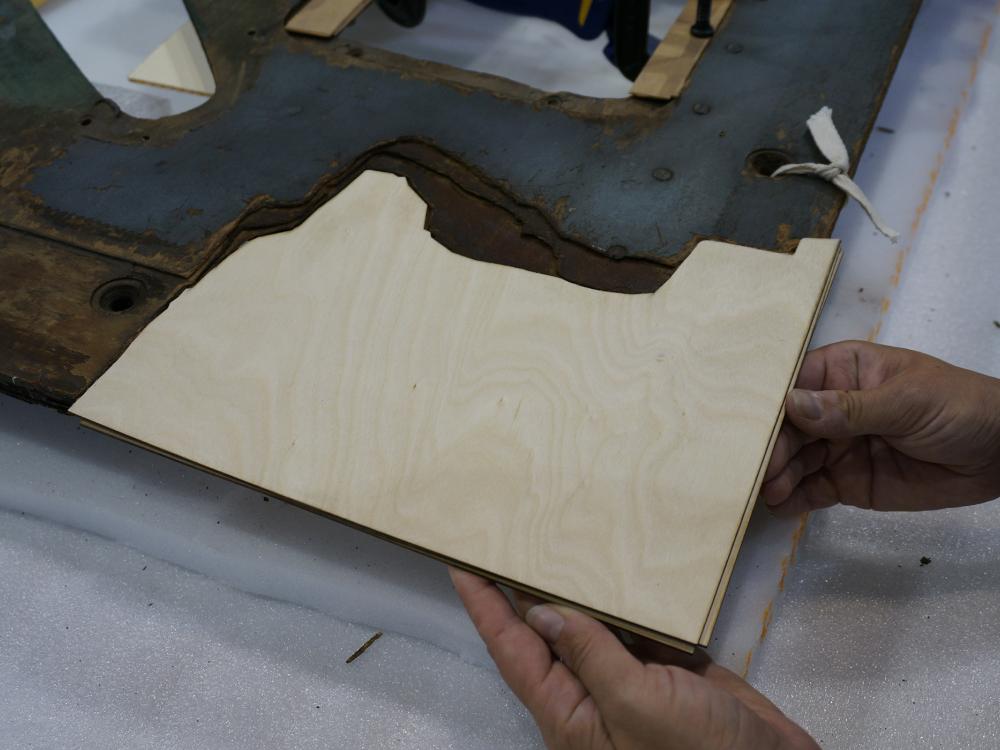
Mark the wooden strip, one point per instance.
(325, 18)
(667, 71)
(597, 448)
(363, 647)
(179, 63)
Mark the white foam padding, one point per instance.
(868, 647)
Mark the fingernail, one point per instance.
(806, 403)
(545, 621)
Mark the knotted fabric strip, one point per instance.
(824, 132)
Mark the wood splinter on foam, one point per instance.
(596, 449)
(363, 647)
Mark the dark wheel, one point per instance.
(408, 13)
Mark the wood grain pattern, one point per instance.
(666, 73)
(599, 448)
(325, 18)
(179, 63)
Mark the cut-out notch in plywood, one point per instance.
(179, 63)
(595, 448)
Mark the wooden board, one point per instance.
(601, 449)
(666, 73)
(325, 18)
(179, 63)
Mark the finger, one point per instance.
(648, 651)
(815, 492)
(807, 461)
(850, 365)
(839, 415)
(723, 679)
(812, 373)
(523, 602)
(642, 648)
(790, 441)
(604, 666)
(548, 689)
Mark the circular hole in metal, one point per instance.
(766, 161)
(252, 32)
(119, 296)
(86, 121)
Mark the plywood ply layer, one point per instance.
(600, 449)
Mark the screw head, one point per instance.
(701, 108)
(617, 251)
(734, 48)
(663, 174)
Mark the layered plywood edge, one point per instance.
(594, 448)
(325, 18)
(667, 71)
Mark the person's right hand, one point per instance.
(886, 429)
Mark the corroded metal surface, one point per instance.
(556, 183)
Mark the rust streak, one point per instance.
(765, 621)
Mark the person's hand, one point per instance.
(586, 690)
(887, 429)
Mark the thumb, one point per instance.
(844, 414)
(599, 660)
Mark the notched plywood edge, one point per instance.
(379, 307)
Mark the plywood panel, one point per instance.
(667, 71)
(599, 448)
(325, 18)
(179, 63)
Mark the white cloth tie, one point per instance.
(824, 132)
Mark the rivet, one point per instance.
(663, 174)
(701, 108)
(734, 48)
(617, 251)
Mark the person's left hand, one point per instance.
(594, 693)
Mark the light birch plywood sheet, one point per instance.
(667, 71)
(325, 18)
(601, 449)
(179, 63)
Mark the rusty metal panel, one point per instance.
(607, 193)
